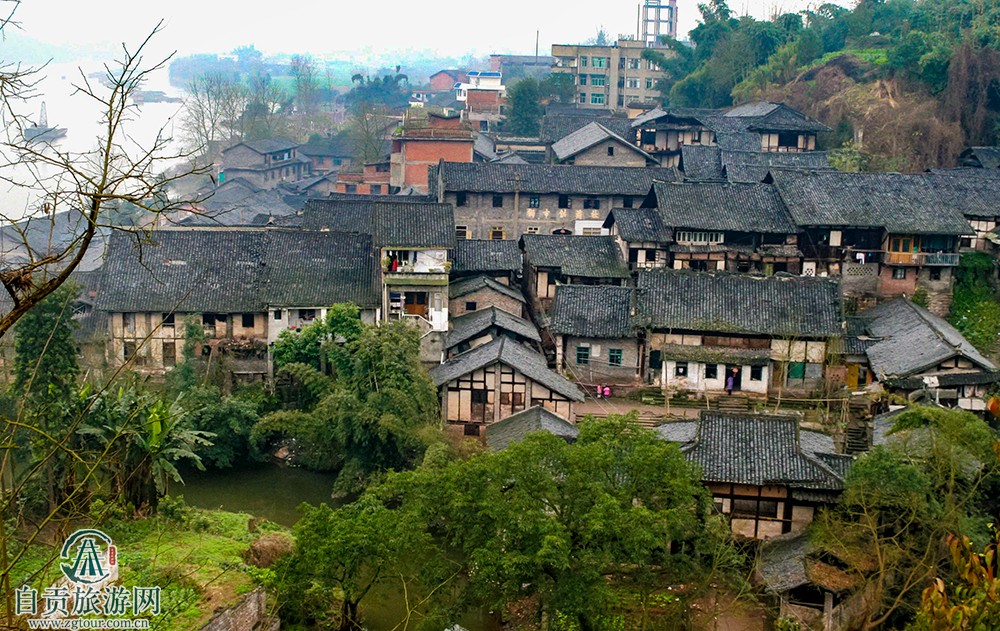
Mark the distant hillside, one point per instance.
(906, 84)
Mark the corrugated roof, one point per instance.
(739, 303)
(506, 351)
(723, 206)
(515, 428)
(598, 311)
(574, 255)
(496, 177)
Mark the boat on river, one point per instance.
(41, 131)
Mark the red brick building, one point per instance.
(425, 139)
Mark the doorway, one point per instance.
(737, 378)
(415, 303)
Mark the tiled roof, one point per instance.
(972, 197)
(306, 269)
(555, 127)
(397, 222)
(237, 203)
(573, 255)
(515, 428)
(588, 136)
(598, 311)
(486, 255)
(716, 354)
(758, 450)
(237, 271)
(496, 177)
(723, 206)
(472, 324)
(700, 162)
(466, 286)
(268, 145)
(906, 204)
(912, 340)
(506, 351)
(637, 225)
(738, 303)
(983, 157)
(753, 166)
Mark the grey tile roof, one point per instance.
(269, 145)
(573, 255)
(975, 197)
(758, 450)
(905, 204)
(506, 351)
(678, 431)
(307, 269)
(557, 126)
(982, 157)
(473, 324)
(237, 271)
(782, 564)
(490, 256)
(717, 354)
(237, 203)
(496, 177)
(739, 303)
(588, 136)
(395, 222)
(515, 428)
(637, 225)
(466, 286)
(598, 311)
(753, 166)
(700, 162)
(912, 340)
(723, 206)
(200, 271)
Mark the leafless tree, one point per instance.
(72, 195)
(369, 125)
(213, 112)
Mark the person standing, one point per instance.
(731, 382)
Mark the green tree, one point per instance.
(525, 108)
(560, 86)
(342, 554)
(975, 310)
(972, 599)
(230, 421)
(301, 346)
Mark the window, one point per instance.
(935, 273)
(470, 306)
(534, 201)
(797, 370)
(278, 314)
(247, 320)
(583, 62)
(128, 320)
(681, 369)
(591, 232)
(583, 79)
(307, 315)
(583, 355)
(461, 198)
(168, 319)
(650, 256)
(498, 201)
(756, 373)
(598, 80)
(632, 83)
(627, 202)
(899, 273)
(615, 357)
(597, 99)
(754, 508)
(649, 84)
(129, 351)
(461, 232)
(583, 97)
(471, 430)
(592, 202)
(497, 233)
(600, 62)
(208, 319)
(169, 354)
(611, 151)
(711, 371)
(691, 236)
(564, 202)
(531, 230)
(350, 188)
(376, 189)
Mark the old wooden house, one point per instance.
(552, 260)
(498, 259)
(491, 382)
(641, 235)
(517, 427)
(770, 333)
(765, 474)
(264, 163)
(482, 327)
(596, 145)
(474, 293)
(503, 201)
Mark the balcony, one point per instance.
(932, 259)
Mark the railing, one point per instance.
(922, 258)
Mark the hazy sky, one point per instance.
(363, 28)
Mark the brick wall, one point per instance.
(484, 299)
(480, 215)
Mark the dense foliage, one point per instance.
(975, 309)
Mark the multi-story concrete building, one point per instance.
(609, 76)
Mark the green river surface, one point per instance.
(274, 492)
